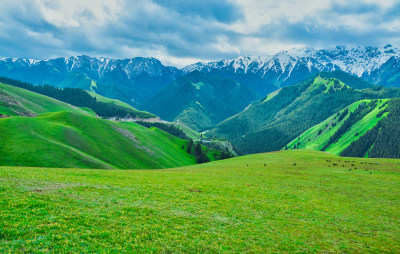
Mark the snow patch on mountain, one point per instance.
(358, 61)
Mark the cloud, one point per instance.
(179, 32)
(221, 11)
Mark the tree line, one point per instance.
(170, 128)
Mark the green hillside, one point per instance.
(338, 131)
(125, 106)
(16, 101)
(381, 141)
(282, 202)
(354, 81)
(68, 139)
(82, 81)
(200, 100)
(106, 108)
(272, 122)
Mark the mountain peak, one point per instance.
(359, 61)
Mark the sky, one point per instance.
(182, 32)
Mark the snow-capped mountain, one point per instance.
(289, 67)
(132, 80)
(136, 80)
(97, 65)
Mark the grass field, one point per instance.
(290, 201)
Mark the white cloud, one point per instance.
(76, 13)
(260, 13)
(179, 32)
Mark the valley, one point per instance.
(40, 131)
(200, 101)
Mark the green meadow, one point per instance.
(290, 201)
(15, 101)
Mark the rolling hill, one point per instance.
(102, 106)
(281, 202)
(69, 139)
(272, 122)
(343, 130)
(57, 134)
(200, 100)
(15, 101)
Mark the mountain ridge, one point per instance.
(247, 63)
(363, 62)
(273, 121)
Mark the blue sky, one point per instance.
(180, 32)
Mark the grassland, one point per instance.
(15, 101)
(68, 139)
(291, 201)
(319, 135)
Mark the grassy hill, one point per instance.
(272, 122)
(200, 100)
(381, 141)
(125, 106)
(338, 131)
(68, 139)
(281, 202)
(367, 128)
(16, 101)
(104, 107)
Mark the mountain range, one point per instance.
(259, 104)
(137, 80)
(130, 80)
(265, 73)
